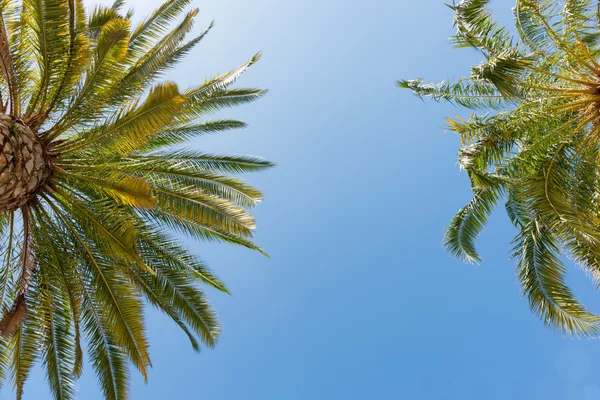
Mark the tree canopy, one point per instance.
(94, 198)
(532, 142)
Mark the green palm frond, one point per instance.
(155, 26)
(158, 58)
(469, 222)
(467, 94)
(541, 275)
(475, 27)
(182, 133)
(534, 146)
(92, 196)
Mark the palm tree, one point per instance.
(92, 192)
(533, 142)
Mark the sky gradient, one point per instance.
(359, 300)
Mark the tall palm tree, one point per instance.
(533, 142)
(92, 192)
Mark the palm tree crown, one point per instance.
(91, 192)
(534, 146)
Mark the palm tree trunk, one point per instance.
(24, 164)
(16, 315)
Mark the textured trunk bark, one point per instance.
(24, 164)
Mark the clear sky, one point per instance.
(359, 300)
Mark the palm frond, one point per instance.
(468, 94)
(476, 28)
(469, 222)
(541, 275)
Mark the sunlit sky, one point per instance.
(359, 300)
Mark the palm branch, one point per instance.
(92, 194)
(532, 142)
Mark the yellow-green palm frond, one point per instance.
(92, 196)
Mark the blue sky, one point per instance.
(359, 300)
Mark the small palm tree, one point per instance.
(91, 192)
(535, 145)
